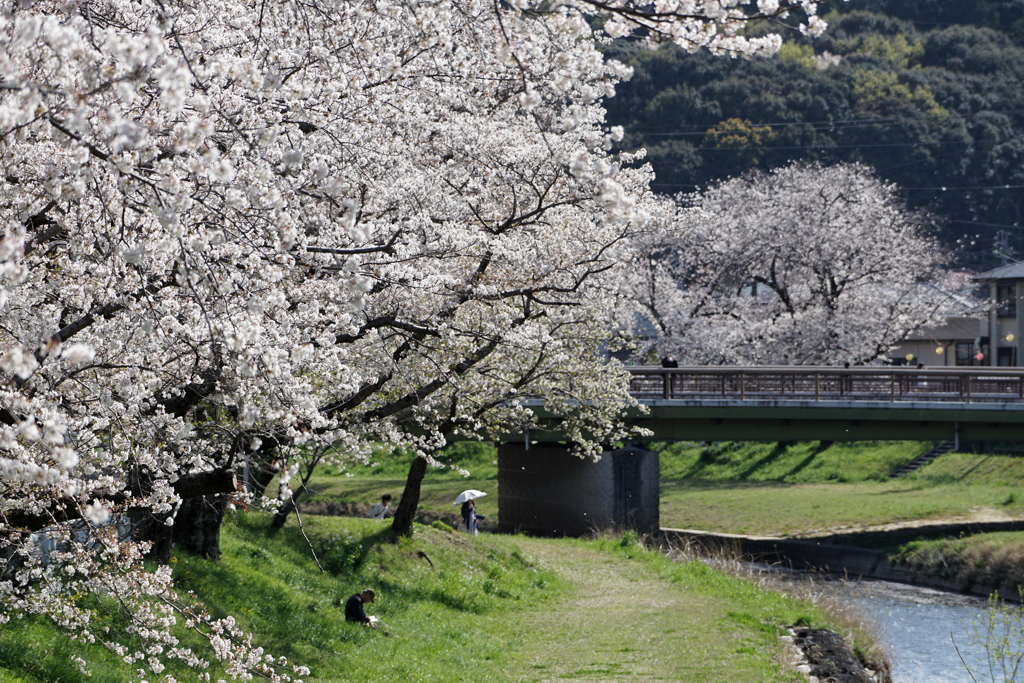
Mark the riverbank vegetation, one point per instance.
(993, 560)
(458, 608)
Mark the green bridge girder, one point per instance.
(807, 403)
(830, 421)
(778, 420)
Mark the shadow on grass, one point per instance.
(802, 465)
(336, 553)
(773, 455)
(717, 485)
(903, 490)
(981, 461)
(367, 489)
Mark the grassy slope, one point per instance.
(807, 490)
(786, 489)
(367, 483)
(808, 487)
(799, 462)
(491, 609)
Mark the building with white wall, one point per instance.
(1004, 326)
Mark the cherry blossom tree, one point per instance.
(240, 237)
(806, 264)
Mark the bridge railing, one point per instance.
(830, 384)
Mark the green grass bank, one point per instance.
(774, 489)
(460, 609)
(797, 490)
(842, 490)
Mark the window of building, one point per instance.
(1005, 358)
(1006, 301)
(965, 353)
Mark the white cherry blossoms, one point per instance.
(223, 242)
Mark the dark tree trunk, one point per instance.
(261, 473)
(281, 516)
(263, 465)
(197, 525)
(402, 525)
(153, 528)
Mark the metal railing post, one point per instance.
(892, 387)
(968, 380)
(817, 386)
(667, 385)
(743, 386)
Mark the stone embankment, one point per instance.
(824, 657)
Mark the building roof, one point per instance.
(955, 327)
(1012, 271)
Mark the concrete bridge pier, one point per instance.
(547, 491)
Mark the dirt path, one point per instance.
(624, 623)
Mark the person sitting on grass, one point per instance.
(383, 508)
(354, 608)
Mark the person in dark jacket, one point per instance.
(469, 517)
(354, 608)
(669, 361)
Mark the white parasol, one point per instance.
(471, 494)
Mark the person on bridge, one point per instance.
(669, 361)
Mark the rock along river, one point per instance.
(915, 625)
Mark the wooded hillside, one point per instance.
(929, 93)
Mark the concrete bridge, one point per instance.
(797, 403)
(543, 489)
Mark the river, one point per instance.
(918, 625)
(915, 624)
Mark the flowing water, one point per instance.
(919, 626)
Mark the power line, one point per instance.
(880, 121)
(900, 188)
(934, 157)
(967, 187)
(826, 147)
(991, 225)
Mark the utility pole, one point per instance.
(1002, 250)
